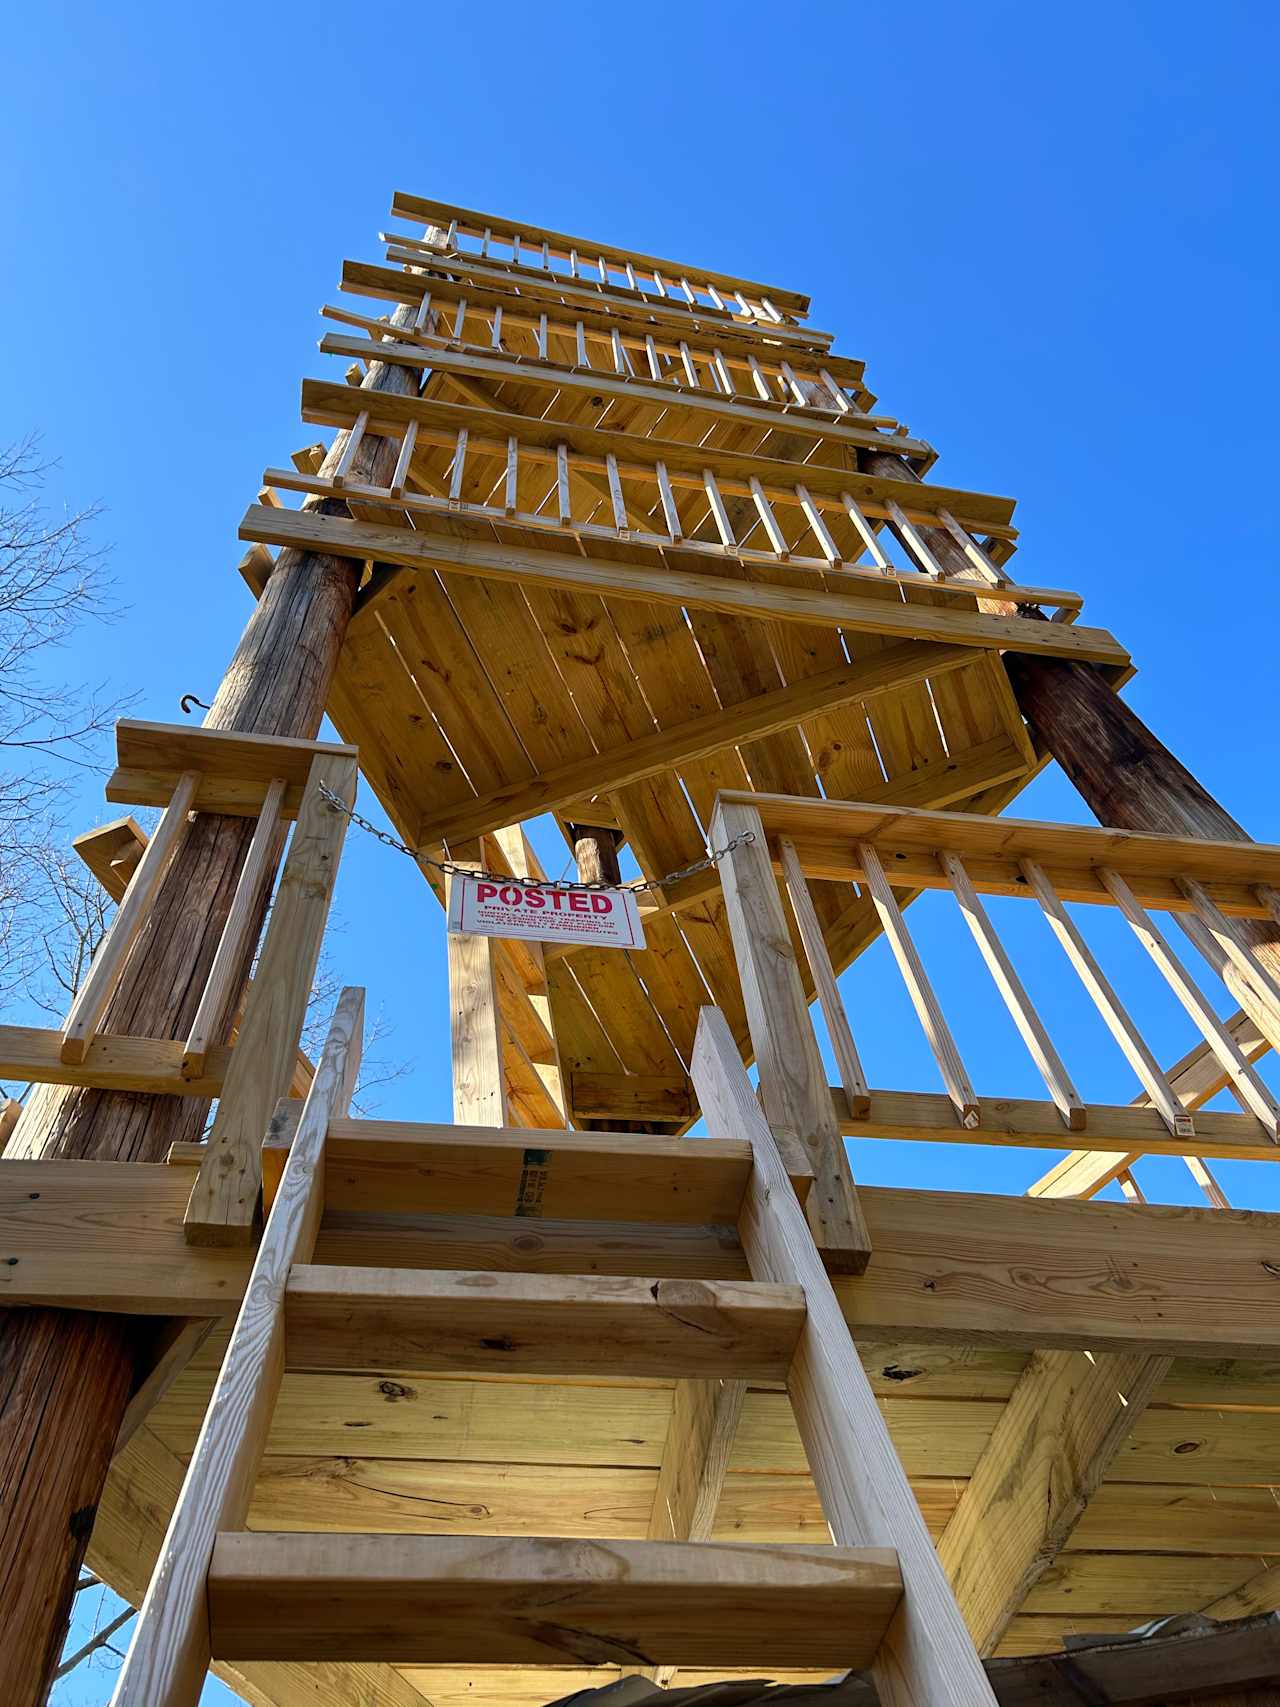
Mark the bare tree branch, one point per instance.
(100, 1639)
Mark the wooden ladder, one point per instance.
(876, 1599)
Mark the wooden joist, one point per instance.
(887, 671)
(431, 1599)
(632, 1096)
(377, 1166)
(370, 1318)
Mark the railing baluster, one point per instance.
(761, 383)
(1250, 1089)
(1021, 1010)
(542, 337)
(923, 1000)
(720, 372)
(669, 510)
(562, 484)
(400, 479)
(422, 321)
(354, 437)
(584, 360)
(865, 532)
(973, 551)
(459, 466)
(718, 511)
(808, 924)
(1229, 939)
(690, 295)
(764, 509)
(838, 397)
(821, 532)
(104, 974)
(234, 941)
(910, 537)
(513, 474)
(651, 350)
(1151, 1075)
(620, 520)
(793, 384)
(495, 339)
(686, 361)
(460, 320)
(619, 354)
(715, 296)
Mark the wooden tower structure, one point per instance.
(557, 1398)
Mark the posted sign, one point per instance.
(606, 918)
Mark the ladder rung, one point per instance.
(502, 1600)
(374, 1166)
(541, 1324)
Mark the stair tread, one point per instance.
(480, 1321)
(519, 1600)
(407, 1168)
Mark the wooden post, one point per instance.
(596, 853)
(65, 1380)
(793, 1079)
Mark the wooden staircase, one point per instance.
(221, 1592)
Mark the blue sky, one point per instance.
(1049, 232)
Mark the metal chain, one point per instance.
(452, 869)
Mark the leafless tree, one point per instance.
(53, 581)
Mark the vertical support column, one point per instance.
(793, 1081)
(475, 1028)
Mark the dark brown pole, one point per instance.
(66, 1377)
(596, 853)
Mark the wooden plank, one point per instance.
(369, 1318)
(538, 1602)
(224, 1199)
(1053, 1443)
(341, 536)
(235, 769)
(927, 1658)
(632, 1096)
(603, 773)
(792, 1078)
(32, 1055)
(108, 1236)
(171, 1646)
(1134, 1128)
(392, 1166)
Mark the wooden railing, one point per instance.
(186, 771)
(1211, 889)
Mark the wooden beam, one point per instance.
(519, 1601)
(1133, 1128)
(170, 1650)
(793, 1084)
(305, 529)
(1053, 1443)
(473, 1322)
(927, 1658)
(31, 1055)
(896, 667)
(479, 1082)
(234, 770)
(631, 1096)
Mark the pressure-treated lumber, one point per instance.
(224, 1199)
(632, 1096)
(475, 1030)
(370, 1318)
(1053, 1443)
(425, 549)
(888, 671)
(396, 1167)
(793, 1080)
(852, 1078)
(170, 1651)
(441, 1599)
(927, 1658)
